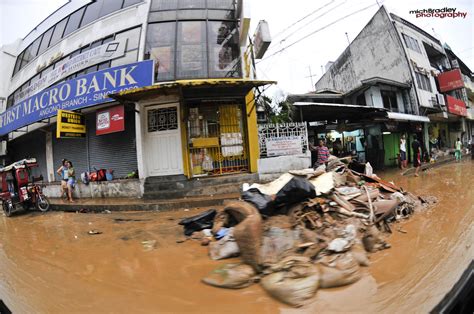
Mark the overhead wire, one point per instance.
(302, 19)
(316, 31)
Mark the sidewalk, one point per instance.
(135, 204)
(438, 163)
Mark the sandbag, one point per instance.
(276, 243)
(295, 283)
(225, 247)
(261, 201)
(232, 276)
(199, 222)
(338, 270)
(359, 253)
(248, 233)
(295, 191)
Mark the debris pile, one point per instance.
(307, 230)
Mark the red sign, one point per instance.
(450, 80)
(110, 120)
(456, 106)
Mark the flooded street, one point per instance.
(50, 264)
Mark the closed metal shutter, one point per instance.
(73, 149)
(31, 145)
(115, 151)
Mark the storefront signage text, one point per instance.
(456, 106)
(70, 125)
(84, 91)
(110, 120)
(285, 145)
(450, 80)
(105, 52)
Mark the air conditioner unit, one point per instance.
(440, 99)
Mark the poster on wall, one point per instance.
(70, 125)
(283, 146)
(110, 120)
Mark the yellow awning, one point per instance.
(245, 85)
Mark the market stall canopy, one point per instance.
(311, 111)
(193, 87)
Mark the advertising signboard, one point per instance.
(456, 106)
(285, 145)
(70, 125)
(84, 91)
(110, 120)
(105, 52)
(450, 80)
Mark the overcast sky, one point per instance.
(291, 67)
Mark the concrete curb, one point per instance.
(143, 206)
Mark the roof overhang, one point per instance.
(406, 117)
(310, 111)
(236, 86)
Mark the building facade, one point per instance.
(395, 67)
(176, 72)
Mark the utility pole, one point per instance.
(311, 77)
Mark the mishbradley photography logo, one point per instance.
(439, 13)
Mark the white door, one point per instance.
(163, 140)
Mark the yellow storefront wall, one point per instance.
(252, 129)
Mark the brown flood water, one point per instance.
(49, 264)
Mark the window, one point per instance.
(31, 51)
(224, 49)
(220, 4)
(162, 119)
(423, 81)
(389, 99)
(92, 13)
(158, 5)
(110, 6)
(191, 50)
(58, 32)
(411, 43)
(192, 4)
(45, 41)
(74, 21)
(160, 47)
(128, 3)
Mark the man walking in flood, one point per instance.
(416, 146)
(457, 151)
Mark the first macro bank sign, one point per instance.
(81, 92)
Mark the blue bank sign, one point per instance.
(83, 91)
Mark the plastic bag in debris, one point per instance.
(295, 282)
(232, 276)
(225, 247)
(338, 270)
(261, 201)
(369, 171)
(199, 222)
(295, 191)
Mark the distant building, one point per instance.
(387, 83)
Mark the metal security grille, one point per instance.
(216, 140)
(284, 130)
(162, 119)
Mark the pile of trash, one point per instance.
(307, 230)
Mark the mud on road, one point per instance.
(50, 264)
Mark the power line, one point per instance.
(317, 17)
(318, 30)
(303, 18)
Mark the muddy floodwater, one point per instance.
(50, 264)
